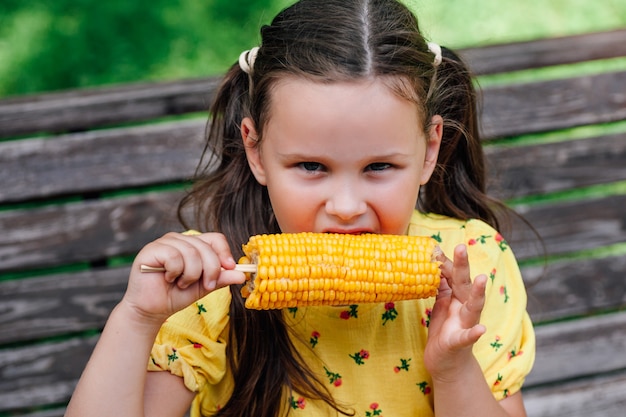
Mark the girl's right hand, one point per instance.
(194, 266)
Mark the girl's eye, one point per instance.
(311, 166)
(378, 166)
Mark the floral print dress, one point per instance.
(369, 355)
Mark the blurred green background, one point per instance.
(48, 45)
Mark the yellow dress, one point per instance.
(370, 355)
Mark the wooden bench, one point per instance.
(87, 177)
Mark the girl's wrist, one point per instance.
(456, 368)
(134, 317)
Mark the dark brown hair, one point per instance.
(325, 41)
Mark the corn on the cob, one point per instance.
(306, 269)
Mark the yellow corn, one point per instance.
(307, 269)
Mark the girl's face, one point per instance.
(342, 157)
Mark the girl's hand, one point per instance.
(454, 323)
(193, 268)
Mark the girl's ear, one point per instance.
(435, 133)
(253, 150)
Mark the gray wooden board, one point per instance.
(99, 161)
(602, 396)
(46, 374)
(598, 396)
(83, 109)
(493, 59)
(63, 303)
(85, 231)
(543, 106)
(96, 229)
(517, 171)
(38, 375)
(570, 226)
(579, 348)
(575, 287)
(59, 304)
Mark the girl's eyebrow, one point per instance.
(300, 155)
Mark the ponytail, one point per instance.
(457, 187)
(225, 195)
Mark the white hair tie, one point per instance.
(247, 58)
(435, 49)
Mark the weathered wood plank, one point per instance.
(39, 168)
(99, 160)
(59, 304)
(46, 374)
(56, 412)
(493, 59)
(82, 109)
(43, 374)
(91, 230)
(86, 231)
(570, 226)
(546, 168)
(140, 156)
(556, 104)
(601, 395)
(579, 348)
(575, 287)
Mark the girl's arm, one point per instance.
(458, 381)
(115, 381)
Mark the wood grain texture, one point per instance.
(570, 226)
(85, 231)
(38, 375)
(518, 171)
(493, 59)
(525, 108)
(575, 287)
(82, 109)
(46, 374)
(100, 161)
(601, 395)
(580, 348)
(59, 304)
(73, 302)
(96, 229)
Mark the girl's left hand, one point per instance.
(454, 322)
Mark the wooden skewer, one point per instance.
(239, 267)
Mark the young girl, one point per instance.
(341, 121)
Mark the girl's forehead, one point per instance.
(328, 100)
(335, 97)
(309, 113)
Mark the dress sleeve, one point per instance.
(192, 343)
(506, 352)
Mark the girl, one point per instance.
(335, 124)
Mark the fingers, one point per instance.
(473, 307)
(189, 259)
(457, 272)
(455, 319)
(441, 307)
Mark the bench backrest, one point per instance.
(88, 177)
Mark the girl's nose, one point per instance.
(346, 203)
